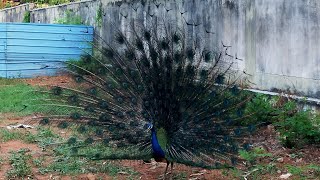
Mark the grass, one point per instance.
(9, 135)
(18, 98)
(21, 99)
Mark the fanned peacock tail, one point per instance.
(155, 74)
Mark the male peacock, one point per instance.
(156, 91)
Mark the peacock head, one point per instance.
(149, 126)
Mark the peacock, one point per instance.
(155, 91)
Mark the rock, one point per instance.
(91, 176)
(279, 171)
(280, 160)
(285, 176)
(299, 160)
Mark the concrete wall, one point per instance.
(278, 39)
(15, 14)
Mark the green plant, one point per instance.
(99, 15)
(315, 169)
(66, 165)
(19, 163)
(69, 18)
(299, 129)
(38, 162)
(8, 5)
(26, 17)
(254, 154)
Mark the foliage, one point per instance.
(19, 163)
(261, 108)
(305, 172)
(69, 18)
(296, 127)
(84, 62)
(99, 15)
(300, 129)
(26, 17)
(252, 156)
(8, 5)
(50, 2)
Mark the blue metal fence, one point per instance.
(29, 50)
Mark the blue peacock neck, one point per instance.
(156, 148)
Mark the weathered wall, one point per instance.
(278, 39)
(15, 14)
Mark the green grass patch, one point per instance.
(18, 98)
(9, 135)
(19, 164)
(21, 99)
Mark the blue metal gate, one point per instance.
(29, 50)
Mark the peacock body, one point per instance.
(156, 91)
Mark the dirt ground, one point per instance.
(266, 138)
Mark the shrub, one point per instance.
(299, 129)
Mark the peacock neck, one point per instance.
(156, 148)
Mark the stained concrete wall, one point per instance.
(278, 40)
(15, 14)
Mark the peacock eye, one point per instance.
(208, 56)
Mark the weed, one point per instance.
(253, 155)
(114, 169)
(26, 17)
(69, 18)
(38, 162)
(179, 176)
(99, 15)
(19, 163)
(7, 135)
(299, 130)
(66, 165)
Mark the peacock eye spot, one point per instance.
(72, 140)
(57, 91)
(208, 56)
(134, 100)
(82, 129)
(44, 121)
(75, 116)
(108, 53)
(164, 44)
(93, 91)
(119, 71)
(89, 141)
(63, 125)
(220, 79)
(99, 132)
(119, 38)
(103, 105)
(106, 141)
(89, 109)
(104, 117)
(120, 100)
(190, 54)
(78, 79)
(139, 44)
(130, 55)
(125, 85)
(101, 70)
(176, 38)
(73, 99)
(147, 35)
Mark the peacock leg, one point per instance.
(166, 168)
